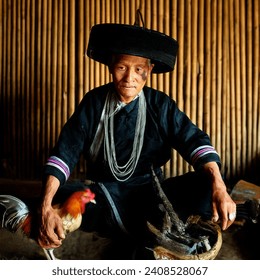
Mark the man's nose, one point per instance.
(129, 75)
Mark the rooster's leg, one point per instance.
(49, 254)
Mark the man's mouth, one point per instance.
(128, 87)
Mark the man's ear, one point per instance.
(151, 68)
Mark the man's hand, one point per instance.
(223, 207)
(51, 230)
(50, 224)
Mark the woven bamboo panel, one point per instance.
(44, 74)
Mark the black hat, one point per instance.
(110, 38)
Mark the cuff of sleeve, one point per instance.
(205, 159)
(50, 170)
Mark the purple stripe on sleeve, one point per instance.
(59, 164)
(200, 152)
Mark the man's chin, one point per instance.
(127, 93)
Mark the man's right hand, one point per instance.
(50, 228)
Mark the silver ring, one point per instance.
(232, 216)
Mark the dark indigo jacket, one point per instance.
(166, 128)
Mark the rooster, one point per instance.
(15, 215)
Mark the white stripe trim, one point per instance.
(202, 155)
(200, 148)
(58, 167)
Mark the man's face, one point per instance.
(130, 74)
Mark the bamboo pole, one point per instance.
(237, 88)
(13, 70)
(232, 89)
(219, 79)
(154, 26)
(147, 13)
(65, 61)
(33, 85)
(187, 58)
(92, 63)
(180, 69)
(41, 47)
(6, 85)
(87, 28)
(127, 9)
(201, 64)
(249, 88)
(255, 86)
(97, 74)
(112, 11)
(173, 27)
(19, 144)
(26, 80)
(133, 9)
(60, 51)
(72, 48)
(24, 93)
(103, 11)
(80, 50)
(48, 89)
(8, 76)
(117, 11)
(187, 67)
(159, 18)
(207, 76)
(224, 129)
(166, 80)
(213, 60)
(243, 85)
(194, 55)
(54, 77)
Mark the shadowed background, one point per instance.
(44, 74)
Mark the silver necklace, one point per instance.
(124, 172)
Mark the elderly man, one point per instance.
(122, 129)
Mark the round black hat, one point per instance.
(107, 39)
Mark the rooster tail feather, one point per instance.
(14, 214)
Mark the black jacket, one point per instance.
(166, 128)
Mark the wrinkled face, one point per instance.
(130, 74)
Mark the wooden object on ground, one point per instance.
(244, 190)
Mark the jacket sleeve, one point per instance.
(76, 135)
(68, 149)
(185, 137)
(191, 142)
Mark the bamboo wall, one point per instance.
(44, 73)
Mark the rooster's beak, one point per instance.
(93, 201)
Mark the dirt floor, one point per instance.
(239, 243)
